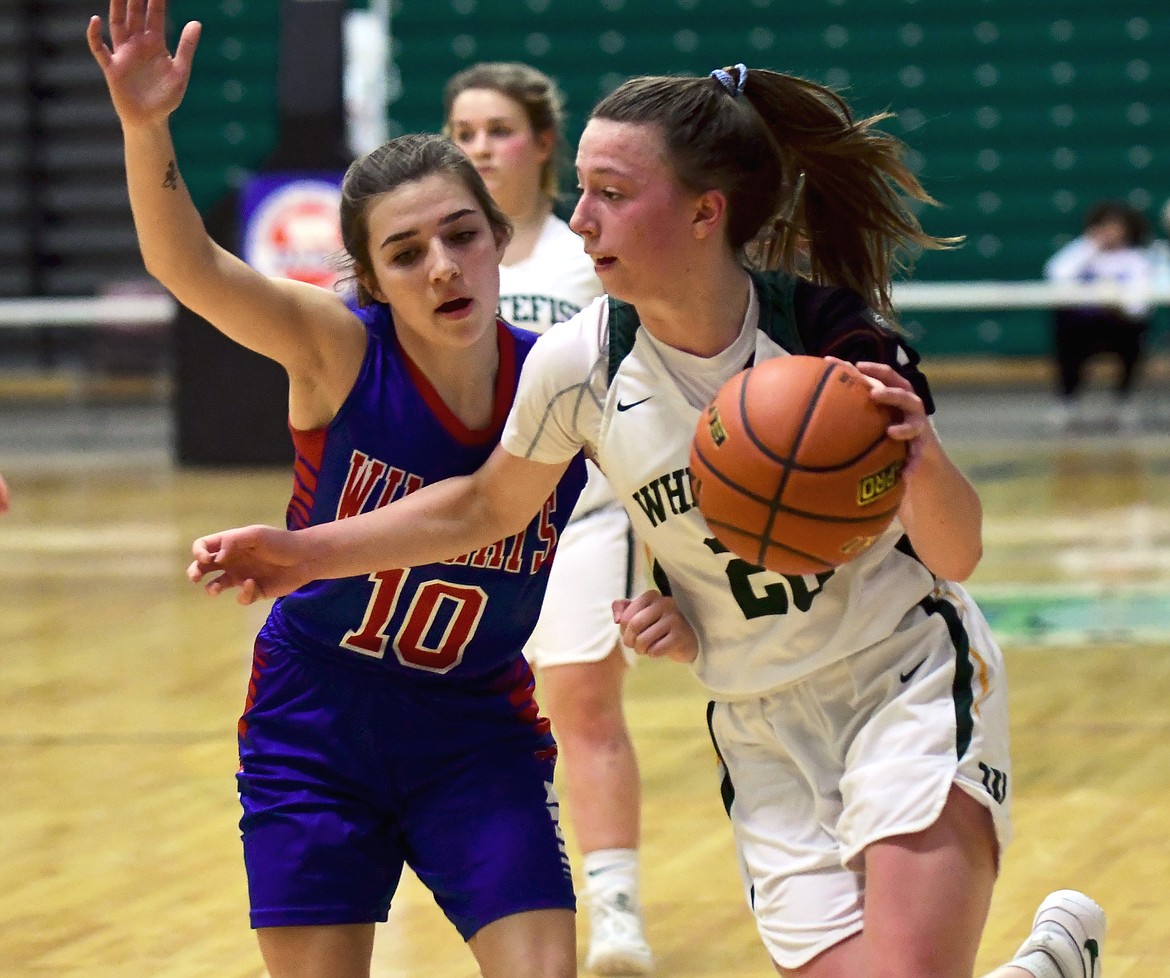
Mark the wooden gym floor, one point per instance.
(120, 685)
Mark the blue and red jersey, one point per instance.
(459, 622)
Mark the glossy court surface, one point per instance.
(120, 685)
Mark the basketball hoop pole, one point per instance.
(310, 102)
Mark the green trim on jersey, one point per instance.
(726, 788)
(961, 691)
(659, 577)
(774, 290)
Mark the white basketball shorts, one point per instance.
(595, 564)
(863, 749)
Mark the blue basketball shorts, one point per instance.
(346, 774)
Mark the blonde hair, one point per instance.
(531, 89)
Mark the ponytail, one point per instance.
(810, 190)
(850, 219)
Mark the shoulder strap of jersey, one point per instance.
(774, 290)
(623, 326)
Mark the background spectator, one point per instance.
(1110, 250)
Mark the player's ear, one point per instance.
(710, 212)
(503, 238)
(545, 141)
(370, 284)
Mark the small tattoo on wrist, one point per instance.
(171, 177)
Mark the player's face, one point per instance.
(494, 131)
(435, 261)
(635, 217)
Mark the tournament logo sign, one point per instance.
(290, 226)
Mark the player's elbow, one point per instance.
(498, 509)
(510, 491)
(506, 521)
(957, 564)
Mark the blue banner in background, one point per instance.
(289, 226)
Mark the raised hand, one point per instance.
(146, 83)
(261, 561)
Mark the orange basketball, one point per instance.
(792, 468)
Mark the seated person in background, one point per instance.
(1160, 251)
(1111, 249)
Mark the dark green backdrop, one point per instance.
(1019, 115)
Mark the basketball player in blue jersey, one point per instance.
(860, 716)
(390, 716)
(507, 117)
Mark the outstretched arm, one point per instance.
(444, 520)
(941, 510)
(289, 322)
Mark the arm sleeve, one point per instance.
(837, 322)
(561, 393)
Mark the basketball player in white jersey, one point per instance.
(508, 118)
(860, 715)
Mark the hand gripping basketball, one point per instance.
(792, 467)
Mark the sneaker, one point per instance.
(1070, 929)
(1068, 416)
(1129, 418)
(1059, 418)
(617, 944)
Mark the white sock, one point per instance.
(611, 871)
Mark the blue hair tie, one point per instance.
(734, 88)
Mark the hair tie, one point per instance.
(734, 87)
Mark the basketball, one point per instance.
(791, 466)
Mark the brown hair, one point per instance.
(810, 190)
(532, 90)
(1137, 228)
(404, 159)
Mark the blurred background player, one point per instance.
(509, 119)
(1110, 250)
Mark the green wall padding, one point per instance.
(1020, 115)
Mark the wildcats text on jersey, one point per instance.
(369, 477)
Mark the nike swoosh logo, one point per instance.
(907, 676)
(632, 404)
(1093, 951)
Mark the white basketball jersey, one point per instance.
(757, 630)
(551, 285)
